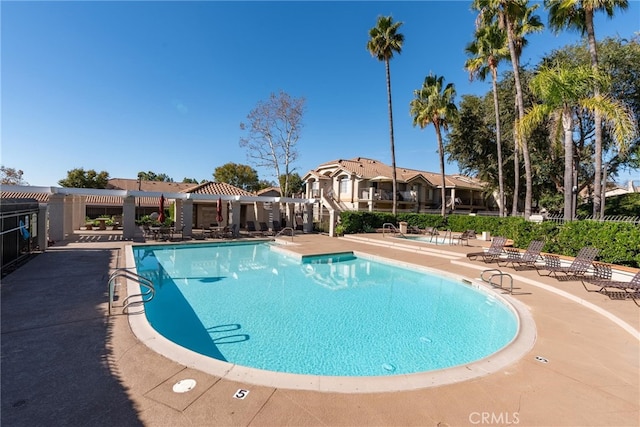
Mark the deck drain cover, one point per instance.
(542, 359)
(184, 386)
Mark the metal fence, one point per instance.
(559, 218)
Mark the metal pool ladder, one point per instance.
(145, 296)
(293, 232)
(390, 226)
(495, 272)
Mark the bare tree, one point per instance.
(11, 176)
(273, 129)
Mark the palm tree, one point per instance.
(563, 89)
(578, 15)
(434, 104)
(486, 51)
(515, 17)
(384, 41)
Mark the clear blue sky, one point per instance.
(162, 86)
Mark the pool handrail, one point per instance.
(392, 227)
(293, 232)
(130, 275)
(497, 272)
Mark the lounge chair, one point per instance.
(252, 230)
(264, 228)
(578, 268)
(602, 278)
(493, 253)
(527, 259)
(412, 229)
(276, 226)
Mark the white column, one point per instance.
(187, 217)
(258, 208)
(129, 218)
(178, 214)
(289, 209)
(307, 218)
(332, 223)
(56, 217)
(78, 211)
(69, 204)
(453, 199)
(43, 233)
(371, 189)
(234, 219)
(275, 213)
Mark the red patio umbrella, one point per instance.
(219, 217)
(161, 216)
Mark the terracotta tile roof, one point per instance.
(156, 186)
(268, 190)
(365, 168)
(221, 188)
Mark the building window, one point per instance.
(344, 185)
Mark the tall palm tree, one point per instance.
(486, 51)
(563, 89)
(384, 41)
(434, 104)
(578, 15)
(516, 18)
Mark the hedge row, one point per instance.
(619, 243)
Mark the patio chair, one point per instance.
(177, 233)
(527, 259)
(466, 236)
(602, 278)
(493, 253)
(578, 267)
(430, 231)
(148, 234)
(276, 226)
(164, 233)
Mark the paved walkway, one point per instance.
(65, 362)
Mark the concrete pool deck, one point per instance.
(65, 362)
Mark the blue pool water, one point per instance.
(253, 305)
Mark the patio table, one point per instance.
(102, 223)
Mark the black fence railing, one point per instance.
(559, 218)
(18, 224)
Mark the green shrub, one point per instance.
(619, 243)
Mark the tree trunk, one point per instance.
(520, 138)
(598, 202)
(494, 75)
(443, 192)
(516, 172)
(568, 163)
(393, 148)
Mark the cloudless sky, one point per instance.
(163, 86)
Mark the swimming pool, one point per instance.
(435, 240)
(338, 315)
